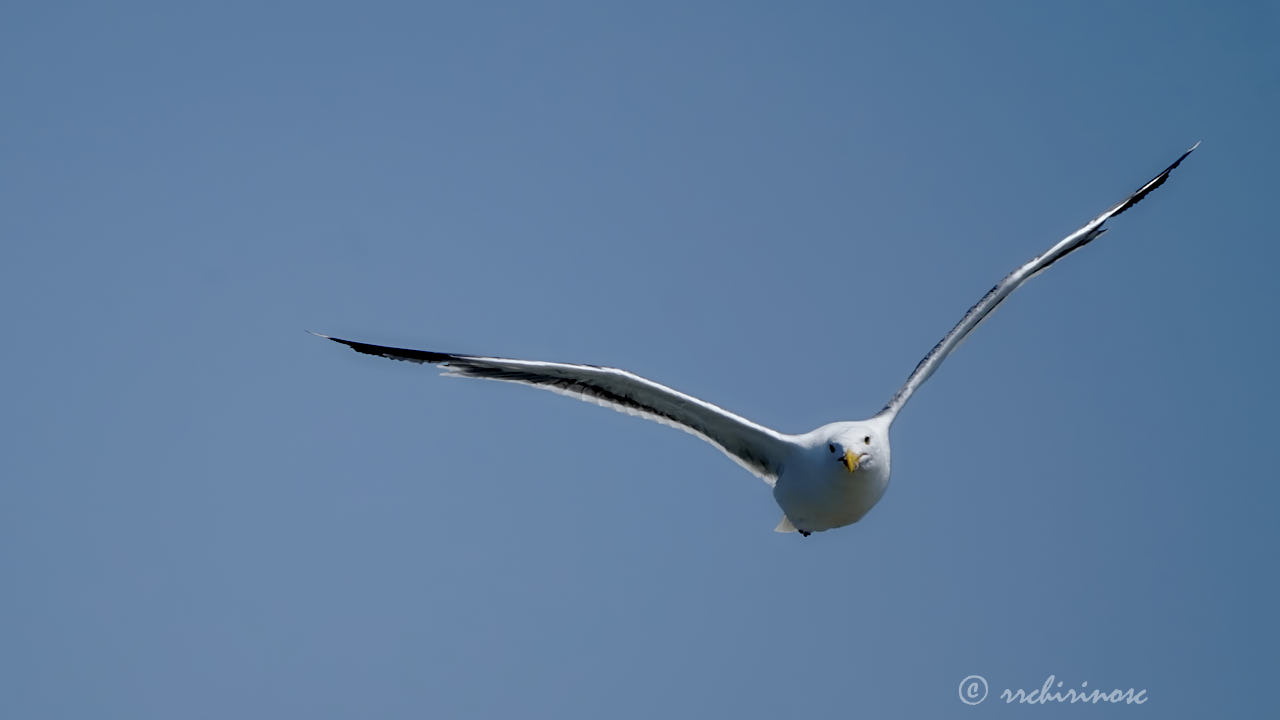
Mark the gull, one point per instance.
(826, 478)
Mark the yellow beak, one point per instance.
(851, 460)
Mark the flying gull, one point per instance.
(823, 479)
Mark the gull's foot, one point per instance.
(805, 533)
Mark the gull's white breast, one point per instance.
(817, 493)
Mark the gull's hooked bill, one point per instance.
(851, 460)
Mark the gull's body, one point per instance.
(823, 479)
(817, 494)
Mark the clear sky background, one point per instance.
(207, 513)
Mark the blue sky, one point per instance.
(206, 512)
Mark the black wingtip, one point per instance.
(1151, 184)
(1181, 157)
(340, 341)
(391, 353)
(349, 343)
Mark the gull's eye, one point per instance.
(866, 440)
(831, 447)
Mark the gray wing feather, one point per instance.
(983, 308)
(755, 447)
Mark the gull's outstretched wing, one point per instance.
(754, 447)
(1013, 281)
